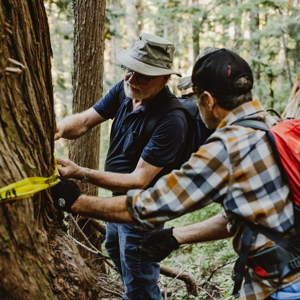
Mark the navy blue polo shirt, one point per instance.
(128, 142)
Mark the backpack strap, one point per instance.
(239, 267)
(259, 125)
(190, 106)
(156, 115)
(255, 124)
(285, 267)
(170, 104)
(291, 246)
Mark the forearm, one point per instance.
(106, 209)
(73, 127)
(208, 230)
(117, 182)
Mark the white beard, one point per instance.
(134, 91)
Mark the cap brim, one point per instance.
(126, 60)
(185, 83)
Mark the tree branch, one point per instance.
(98, 226)
(219, 267)
(184, 276)
(90, 244)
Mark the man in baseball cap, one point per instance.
(236, 168)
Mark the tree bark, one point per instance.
(254, 42)
(114, 44)
(87, 78)
(196, 33)
(89, 32)
(38, 260)
(237, 26)
(132, 15)
(286, 61)
(296, 56)
(292, 109)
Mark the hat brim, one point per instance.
(185, 83)
(126, 60)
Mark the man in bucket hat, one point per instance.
(134, 159)
(237, 168)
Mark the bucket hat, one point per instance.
(151, 55)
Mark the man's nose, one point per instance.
(132, 79)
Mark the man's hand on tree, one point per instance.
(69, 169)
(65, 193)
(159, 245)
(59, 132)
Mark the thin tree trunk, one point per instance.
(139, 9)
(114, 44)
(89, 30)
(237, 27)
(131, 22)
(296, 56)
(254, 42)
(196, 33)
(286, 61)
(292, 109)
(38, 260)
(88, 76)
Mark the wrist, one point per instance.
(75, 206)
(85, 174)
(178, 235)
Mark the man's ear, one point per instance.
(210, 101)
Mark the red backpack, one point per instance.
(285, 142)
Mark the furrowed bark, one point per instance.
(38, 260)
(89, 30)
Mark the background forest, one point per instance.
(264, 32)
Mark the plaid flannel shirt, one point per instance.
(236, 168)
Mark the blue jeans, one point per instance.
(139, 276)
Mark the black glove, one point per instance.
(65, 193)
(159, 245)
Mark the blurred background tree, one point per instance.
(265, 32)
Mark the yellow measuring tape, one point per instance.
(28, 187)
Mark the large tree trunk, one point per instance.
(89, 31)
(38, 260)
